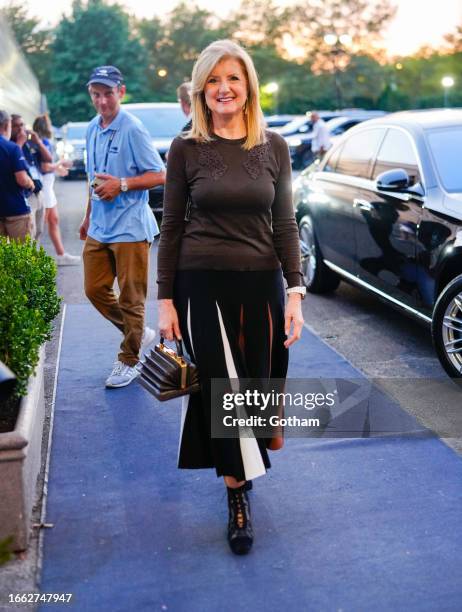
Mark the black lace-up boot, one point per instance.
(240, 533)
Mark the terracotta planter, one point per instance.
(20, 460)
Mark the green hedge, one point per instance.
(28, 304)
(5, 550)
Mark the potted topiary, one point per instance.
(28, 305)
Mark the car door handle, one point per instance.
(363, 204)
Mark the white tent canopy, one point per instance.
(19, 88)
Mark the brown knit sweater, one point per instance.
(241, 215)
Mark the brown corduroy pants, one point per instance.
(129, 262)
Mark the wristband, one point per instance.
(300, 290)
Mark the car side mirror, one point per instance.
(393, 180)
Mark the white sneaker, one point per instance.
(121, 375)
(68, 260)
(148, 338)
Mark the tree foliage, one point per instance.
(362, 20)
(286, 42)
(174, 46)
(454, 40)
(95, 34)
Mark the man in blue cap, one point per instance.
(119, 227)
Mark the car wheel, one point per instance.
(317, 277)
(447, 328)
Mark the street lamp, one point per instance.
(447, 82)
(345, 39)
(272, 89)
(330, 39)
(337, 44)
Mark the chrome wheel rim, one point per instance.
(308, 250)
(452, 332)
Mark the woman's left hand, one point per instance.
(293, 319)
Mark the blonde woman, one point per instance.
(220, 285)
(42, 126)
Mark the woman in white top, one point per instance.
(42, 126)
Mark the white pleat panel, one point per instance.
(184, 412)
(188, 322)
(250, 451)
(185, 399)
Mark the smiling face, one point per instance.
(106, 100)
(226, 88)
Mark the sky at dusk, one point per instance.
(418, 22)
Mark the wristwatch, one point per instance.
(123, 185)
(300, 290)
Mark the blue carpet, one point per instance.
(341, 524)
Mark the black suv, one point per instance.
(164, 121)
(383, 210)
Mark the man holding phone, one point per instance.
(118, 226)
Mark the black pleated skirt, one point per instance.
(232, 324)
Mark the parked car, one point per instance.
(277, 121)
(300, 144)
(302, 124)
(164, 121)
(72, 146)
(383, 210)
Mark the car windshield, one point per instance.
(161, 122)
(446, 147)
(331, 124)
(294, 125)
(76, 132)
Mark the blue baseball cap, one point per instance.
(106, 75)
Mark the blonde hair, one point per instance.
(202, 127)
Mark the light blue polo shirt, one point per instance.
(122, 149)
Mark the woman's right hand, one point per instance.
(169, 327)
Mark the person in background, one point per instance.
(15, 214)
(321, 138)
(42, 127)
(35, 153)
(119, 227)
(184, 98)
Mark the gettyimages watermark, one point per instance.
(328, 408)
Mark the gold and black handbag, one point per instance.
(167, 374)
